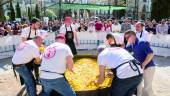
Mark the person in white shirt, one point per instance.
(27, 53)
(91, 27)
(69, 30)
(42, 33)
(133, 25)
(141, 33)
(77, 24)
(116, 27)
(127, 70)
(30, 32)
(56, 59)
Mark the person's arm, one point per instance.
(119, 28)
(129, 47)
(76, 38)
(147, 50)
(101, 74)
(36, 55)
(37, 60)
(69, 64)
(157, 29)
(149, 57)
(62, 30)
(69, 58)
(24, 34)
(102, 64)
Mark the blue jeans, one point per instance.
(28, 79)
(59, 85)
(125, 87)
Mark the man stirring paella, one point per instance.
(127, 70)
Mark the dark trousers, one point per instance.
(125, 87)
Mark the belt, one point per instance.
(19, 65)
(53, 72)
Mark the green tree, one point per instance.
(160, 9)
(68, 12)
(37, 11)
(29, 13)
(12, 12)
(18, 11)
(50, 14)
(2, 17)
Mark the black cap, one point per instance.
(34, 20)
(109, 36)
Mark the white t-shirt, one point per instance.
(144, 37)
(63, 28)
(25, 33)
(25, 52)
(116, 28)
(54, 60)
(43, 33)
(113, 57)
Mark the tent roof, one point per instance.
(67, 6)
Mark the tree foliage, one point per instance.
(29, 13)
(12, 12)
(37, 11)
(2, 17)
(50, 14)
(160, 9)
(18, 11)
(68, 12)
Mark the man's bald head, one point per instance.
(38, 40)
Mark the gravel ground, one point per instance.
(9, 86)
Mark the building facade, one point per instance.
(138, 9)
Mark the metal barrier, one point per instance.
(8, 51)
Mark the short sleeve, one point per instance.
(68, 51)
(129, 47)
(101, 60)
(73, 28)
(25, 32)
(35, 52)
(62, 29)
(146, 47)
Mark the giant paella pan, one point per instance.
(86, 72)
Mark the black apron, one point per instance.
(70, 40)
(131, 63)
(28, 38)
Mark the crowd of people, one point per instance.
(16, 27)
(90, 25)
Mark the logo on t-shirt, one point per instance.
(50, 52)
(21, 46)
